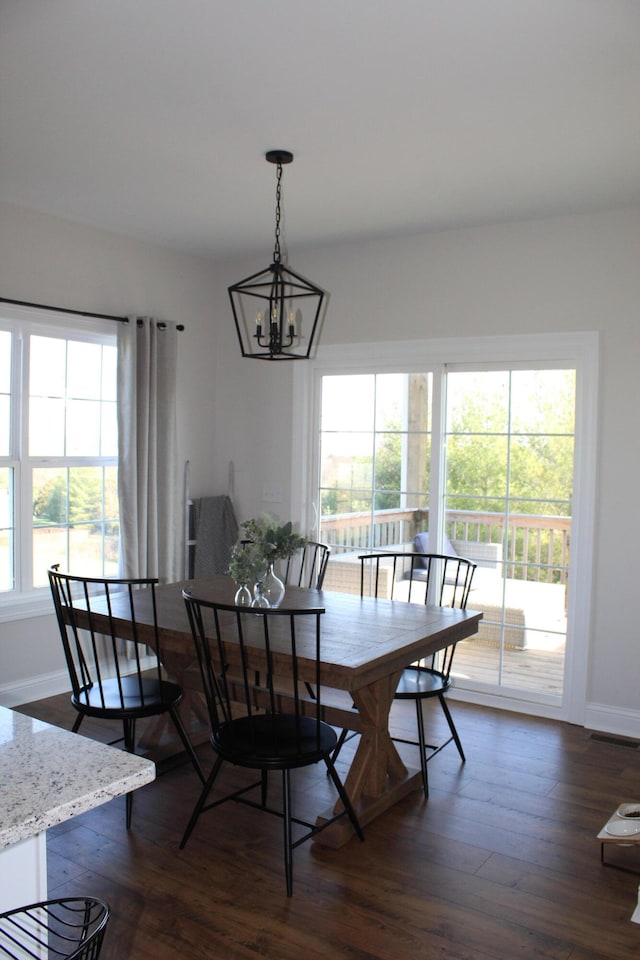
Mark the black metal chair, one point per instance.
(114, 676)
(254, 724)
(443, 581)
(67, 929)
(307, 566)
(447, 582)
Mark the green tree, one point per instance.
(50, 505)
(85, 494)
(74, 498)
(534, 463)
(388, 472)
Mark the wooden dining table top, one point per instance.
(366, 643)
(363, 638)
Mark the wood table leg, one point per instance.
(184, 671)
(377, 777)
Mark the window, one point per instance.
(375, 440)
(489, 445)
(58, 448)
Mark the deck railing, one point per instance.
(533, 547)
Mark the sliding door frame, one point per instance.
(576, 350)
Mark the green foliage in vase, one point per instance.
(277, 541)
(248, 563)
(264, 542)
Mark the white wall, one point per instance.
(561, 274)
(46, 260)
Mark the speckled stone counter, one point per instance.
(48, 775)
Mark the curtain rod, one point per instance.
(80, 313)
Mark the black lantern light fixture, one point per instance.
(276, 311)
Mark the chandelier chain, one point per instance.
(276, 252)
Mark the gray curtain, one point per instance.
(147, 440)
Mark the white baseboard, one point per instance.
(505, 702)
(46, 685)
(35, 688)
(616, 720)
(600, 717)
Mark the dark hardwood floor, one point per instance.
(502, 862)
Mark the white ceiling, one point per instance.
(152, 117)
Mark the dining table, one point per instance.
(366, 642)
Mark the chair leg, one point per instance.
(175, 716)
(76, 723)
(423, 747)
(452, 726)
(338, 747)
(129, 733)
(264, 783)
(286, 818)
(202, 799)
(344, 797)
(129, 810)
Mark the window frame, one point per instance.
(579, 350)
(26, 600)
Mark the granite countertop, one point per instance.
(48, 775)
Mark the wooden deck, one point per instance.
(539, 670)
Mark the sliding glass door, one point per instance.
(507, 496)
(483, 460)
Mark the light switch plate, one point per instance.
(271, 493)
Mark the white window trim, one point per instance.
(581, 350)
(25, 604)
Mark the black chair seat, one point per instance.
(145, 698)
(274, 741)
(420, 682)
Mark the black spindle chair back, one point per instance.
(255, 664)
(113, 654)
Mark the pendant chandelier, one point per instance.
(276, 311)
